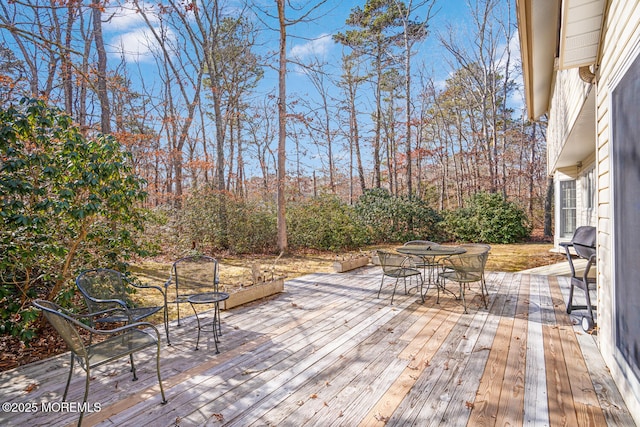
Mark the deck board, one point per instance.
(328, 352)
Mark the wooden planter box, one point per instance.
(252, 293)
(350, 264)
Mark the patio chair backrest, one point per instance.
(102, 284)
(195, 274)
(391, 261)
(65, 325)
(471, 263)
(421, 243)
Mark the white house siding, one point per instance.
(620, 45)
(568, 97)
(571, 144)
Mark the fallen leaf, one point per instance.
(381, 418)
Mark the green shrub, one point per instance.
(395, 219)
(488, 218)
(212, 221)
(67, 202)
(324, 223)
(252, 227)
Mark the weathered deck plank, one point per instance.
(536, 408)
(328, 352)
(510, 411)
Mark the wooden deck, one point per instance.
(327, 352)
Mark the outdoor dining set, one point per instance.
(434, 264)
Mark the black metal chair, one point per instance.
(191, 276)
(397, 266)
(120, 342)
(583, 243)
(107, 294)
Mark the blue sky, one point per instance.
(128, 29)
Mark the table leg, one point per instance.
(216, 320)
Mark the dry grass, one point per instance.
(236, 270)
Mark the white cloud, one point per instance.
(124, 18)
(317, 47)
(130, 35)
(137, 45)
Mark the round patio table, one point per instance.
(209, 298)
(430, 255)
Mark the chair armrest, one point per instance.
(109, 301)
(126, 327)
(157, 288)
(74, 318)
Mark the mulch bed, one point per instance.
(14, 353)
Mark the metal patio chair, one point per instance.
(120, 342)
(583, 243)
(467, 268)
(107, 295)
(476, 248)
(397, 266)
(194, 276)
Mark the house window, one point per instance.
(567, 208)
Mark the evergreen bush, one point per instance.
(488, 218)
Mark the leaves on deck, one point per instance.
(218, 417)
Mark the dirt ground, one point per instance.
(236, 271)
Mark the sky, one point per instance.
(306, 40)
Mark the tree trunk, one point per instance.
(282, 131)
(103, 96)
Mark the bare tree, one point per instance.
(304, 11)
(350, 83)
